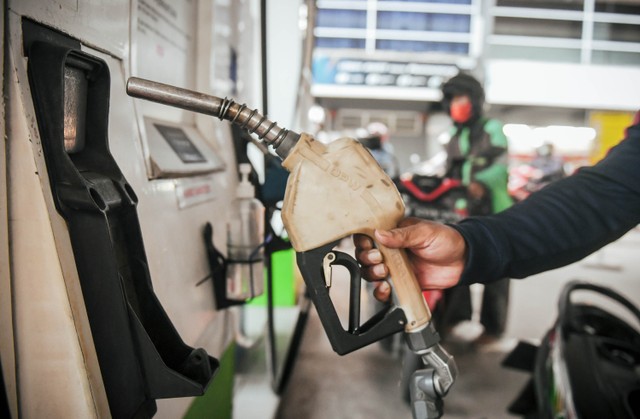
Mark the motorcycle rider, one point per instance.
(477, 156)
(550, 166)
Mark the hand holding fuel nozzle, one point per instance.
(437, 254)
(476, 190)
(335, 191)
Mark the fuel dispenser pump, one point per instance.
(334, 191)
(141, 355)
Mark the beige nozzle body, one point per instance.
(339, 189)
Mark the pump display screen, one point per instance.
(181, 144)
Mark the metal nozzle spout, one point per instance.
(282, 140)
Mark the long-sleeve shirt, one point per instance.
(562, 223)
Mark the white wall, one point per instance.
(284, 55)
(510, 82)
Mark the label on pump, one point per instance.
(193, 191)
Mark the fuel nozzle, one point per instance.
(282, 140)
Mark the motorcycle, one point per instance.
(587, 365)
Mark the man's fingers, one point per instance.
(373, 268)
(362, 242)
(375, 272)
(382, 292)
(369, 257)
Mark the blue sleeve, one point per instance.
(562, 223)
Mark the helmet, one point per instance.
(463, 84)
(378, 129)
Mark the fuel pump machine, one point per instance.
(362, 199)
(102, 207)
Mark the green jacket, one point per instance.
(479, 153)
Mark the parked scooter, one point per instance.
(588, 364)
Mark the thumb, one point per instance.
(411, 234)
(395, 238)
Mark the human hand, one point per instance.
(436, 251)
(476, 190)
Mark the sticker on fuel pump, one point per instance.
(192, 191)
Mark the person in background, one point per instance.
(477, 156)
(376, 139)
(550, 166)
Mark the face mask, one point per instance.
(461, 112)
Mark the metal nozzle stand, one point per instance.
(427, 386)
(430, 385)
(282, 140)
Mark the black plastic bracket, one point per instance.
(218, 267)
(382, 324)
(140, 353)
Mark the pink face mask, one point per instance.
(461, 111)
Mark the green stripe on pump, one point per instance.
(217, 401)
